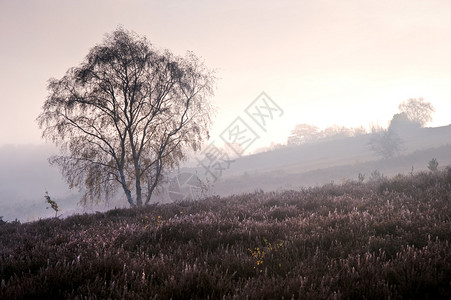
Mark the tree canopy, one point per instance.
(307, 133)
(417, 110)
(125, 114)
(303, 133)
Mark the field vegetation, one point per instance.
(385, 239)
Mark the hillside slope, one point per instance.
(335, 152)
(332, 160)
(386, 239)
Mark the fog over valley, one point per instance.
(26, 174)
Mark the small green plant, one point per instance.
(52, 203)
(270, 247)
(259, 253)
(433, 165)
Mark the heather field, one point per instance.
(386, 239)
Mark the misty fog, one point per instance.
(26, 174)
(25, 177)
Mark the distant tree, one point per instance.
(361, 177)
(433, 165)
(336, 131)
(385, 143)
(303, 133)
(272, 147)
(359, 131)
(275, 146)
(402, 125)
(417, 110)
(402, 122)
(376, 175)
(125, 115)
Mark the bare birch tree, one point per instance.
(125, 115)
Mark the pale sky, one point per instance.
(331, 62)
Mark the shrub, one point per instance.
(433, 165)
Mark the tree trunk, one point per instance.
(151, 187)
(127, 191)
(139, 201)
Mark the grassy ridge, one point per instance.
(374, 240)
